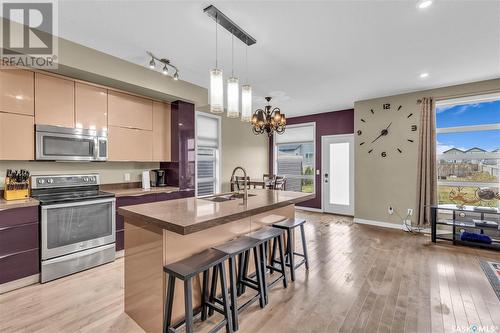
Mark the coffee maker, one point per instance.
(158, 177)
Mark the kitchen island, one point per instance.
(163, 232)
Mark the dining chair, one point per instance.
(268, 180)
(279, 183)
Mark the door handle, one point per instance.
(326, 178)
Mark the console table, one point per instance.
(452, 220)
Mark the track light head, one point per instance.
(165, 70)
(176, 76)
(152, 64)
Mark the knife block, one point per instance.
(22, 190)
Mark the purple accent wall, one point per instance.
(329, 123)
(180, 171)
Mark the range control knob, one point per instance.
(41, 181)
(50, 181)
(85, 179)
(92, 179)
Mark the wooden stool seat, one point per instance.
(265, 234)
(289, 223)
(196, 264)
(237, 246)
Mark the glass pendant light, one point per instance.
(233, 89)
(246, 102)
(246, 95)
(216, 82)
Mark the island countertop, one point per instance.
(189, 215)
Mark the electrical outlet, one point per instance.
(410, 211)
(126, 176)
(390, 210)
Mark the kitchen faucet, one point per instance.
(245, 193)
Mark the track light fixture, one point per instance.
(166, 64)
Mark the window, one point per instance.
(295, 157)
(207, 154)
(468, 148)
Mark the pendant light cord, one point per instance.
(246, 63)
(232, 53)
(216, 28)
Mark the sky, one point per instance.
(470, 114)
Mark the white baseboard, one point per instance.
(379, 223)
(16, 284)
(309, 209)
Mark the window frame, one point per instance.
(275, 151)
(467, 128)
(218, 157)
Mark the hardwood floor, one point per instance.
(361, 279)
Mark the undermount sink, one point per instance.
(226, 197)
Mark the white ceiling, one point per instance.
(312, 56)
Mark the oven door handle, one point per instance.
(80, 203)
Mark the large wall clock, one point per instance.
(387, 130)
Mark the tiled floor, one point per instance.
(361, 279)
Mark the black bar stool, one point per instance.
(266, 235)
(289, 225)
(185, 270)
(233, 248)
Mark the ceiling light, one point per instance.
(233, 89)
(421, 4)
(216, 82)
(152, 64)
(424, 75)
(246, 95)
(246, 102)
(176, 76)
(233, 97)
(165, 70)
(268, 121)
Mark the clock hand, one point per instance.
(383, 132)
(378, 137)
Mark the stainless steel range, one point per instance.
(77, 223)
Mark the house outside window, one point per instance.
(208, 145)
(468, 148)
(294, 157)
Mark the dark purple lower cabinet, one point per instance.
(141, 199)
(19, 243)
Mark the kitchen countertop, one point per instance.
(28, 202)
(189, 215)
(121, 192)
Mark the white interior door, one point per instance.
(338, 174)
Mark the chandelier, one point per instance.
(268, 121)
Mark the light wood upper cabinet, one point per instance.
(17, 91)
(91, 107)
(161, 132)
(130, 144)
(16, 137)
(54, 101)
(129, 111)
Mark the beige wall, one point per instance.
(380, 182)
(111, 172)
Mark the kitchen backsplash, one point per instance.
(111, 172)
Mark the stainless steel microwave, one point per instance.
(54, 143)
